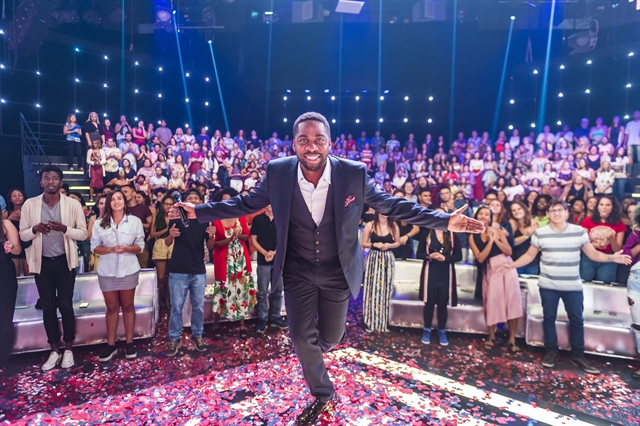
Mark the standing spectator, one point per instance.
(107, 132)
(438, 284)
(632, 140)
(196, 158)
(377, 142)
(187, 273)
(581, 132)
(161, 251)
(164, 133)
(117, 237)
(523, 226)
(616, 133)
(203, 138)
(96, 160)
(605, 178)
(235, 291)
(539, 209)
(16, 198)
(142, 212)
(10, 245)
(598, 131)
(606, 233)
(476, 166)
(90, 132)
(392, 144)
(501, 296)
(188, 137)
(3, 208)
(362, 141)
(54, 223)
(264, 239)
(122, 128)
(379, 236)
(73, 131)
(561, 280)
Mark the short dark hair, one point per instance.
(311, 116)
(444, 187)
(192, 191)
(51, 168)
(425, 189)
(226, 191)
(564, 205)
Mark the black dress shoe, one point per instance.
(310, 415)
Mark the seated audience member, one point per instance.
(117, 237)
(187, 273)
(379, 236)
(438, 284)
(500, 292)
(562, 281)
(10, 244)
(606, 233)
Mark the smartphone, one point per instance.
(84, 305)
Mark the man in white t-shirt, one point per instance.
(632, 137)
(158, 180)
(560, 279)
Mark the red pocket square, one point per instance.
(350, 199)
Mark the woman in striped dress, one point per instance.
(379, 236)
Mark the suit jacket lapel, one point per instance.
(284, 191)
(338, 181)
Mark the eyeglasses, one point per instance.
(556, 211)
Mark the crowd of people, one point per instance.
(519, 187)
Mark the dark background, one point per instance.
(416, 62)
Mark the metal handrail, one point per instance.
(31, 145)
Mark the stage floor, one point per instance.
(388, 378)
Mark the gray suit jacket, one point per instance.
(352, 188)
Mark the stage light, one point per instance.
(533, 125)
(1, 66)
(210, 41)
(77, 50)
(288, 90)
(512, 101)
(159, 121)
(406, 120)
(406, 98)
(186, 125)
(382, 98)
(333, 121)
(285, 98)
(269, 13)
(137, 63)
(4, 102)
(159, 95)
(357, 98)
(285, 120)
(77, 80)
(105, 85)
(589, 62)
(206, 104)
(77, 110)
(628, 85)
(135, 91)
(333, 98)
(630, 53)
(135, 118)
(106, 57)
(206, 127)
(160, 69)
(307, 91)
(535, 71)
(513, 18)
(587, 91)
(510, 127)
(37, 72)
(381, 119)
(559, 123)
(532, 4)
(173, 12)
(429, 121)
(365, 91)
(386, 91)
(326, 90)
(308, 98)
(186, 100)
(561, 67)
(187, 75)
(560, 95)
(206, 79)
(357, 120)
(430, 98)
(104, 115)
(626, 117)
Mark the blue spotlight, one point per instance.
(288, 90)
(307, 91)
(215, 69)
(184, 81)
(545, 78)
(326, 90)
(496, 115)
(513, 18)
(386, 91)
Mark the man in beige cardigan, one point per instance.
(54, 222)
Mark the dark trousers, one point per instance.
(8, 293)
(317, 318)
(436, 296)
(76, 149)
(574, 305)
(55, 284)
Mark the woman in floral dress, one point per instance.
(235, 291)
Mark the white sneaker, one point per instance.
(67, 359)
(54, 359)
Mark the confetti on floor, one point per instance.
(387, 378)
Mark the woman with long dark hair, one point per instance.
(540, 208)
(606, 233)
(523, 226)
(15, 200)
(379, 236)
(9, 244)
(500, 293)
(438, 284)
(117, 237)
(161, 252)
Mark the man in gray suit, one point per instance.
(317, 202)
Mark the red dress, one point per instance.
(96, 171)
(220, 253)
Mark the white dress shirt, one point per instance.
(315, 197)
(128, 233)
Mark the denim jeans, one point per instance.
(178, 286)
(634, 156)
(272, 311)
(590, 270)
(530, 269)
(574, 305)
